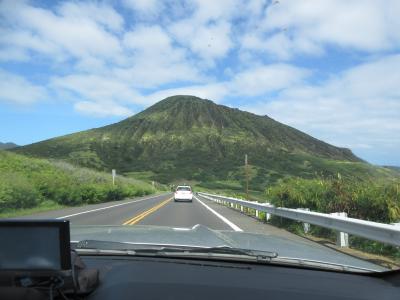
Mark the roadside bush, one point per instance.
(27, 182)
(17, 192)
(377, 201)
(367, 200)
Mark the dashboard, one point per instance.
(163, 278)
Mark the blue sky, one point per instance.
(329, 68)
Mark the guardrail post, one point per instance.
(306, 226)
(267, 215)
(342, 238)
(257, 210)
(241, 208)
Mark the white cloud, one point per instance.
(102, 109)
(101, 13)
(16, 89)
(212, 41)
(98, 96)
(96, 88)
(22, 40)
(208, 41)
(149, 74)
(254, 81)
(147, 38)
(280, 45)
(307, 27)
(207, 32)
(8, 54)
(75, 30)
(144, 7)
(211, 91)
(211, 10)
(359, 108)
(154, 60)
(267, 78)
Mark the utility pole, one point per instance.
(247, 176)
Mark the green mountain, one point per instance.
(185, 137)
(4, 146)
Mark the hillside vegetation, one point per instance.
(188, 138)
(377, 201)
(29, 183)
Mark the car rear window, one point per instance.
(183, 188)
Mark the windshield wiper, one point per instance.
(106, 247)
(223, 250)
(320, 264)
(218, 253)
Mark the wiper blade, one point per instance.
(172, 250)
(224, 250)
(218, 253)
(320, 264)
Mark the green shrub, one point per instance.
(17, 192)
(377, 201)
(367, 200)
(26, 182)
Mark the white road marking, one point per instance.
(225, 220)
(106, 207)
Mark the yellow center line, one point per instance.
(144, 214)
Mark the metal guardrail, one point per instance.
(385, 233)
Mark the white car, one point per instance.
(183, 193)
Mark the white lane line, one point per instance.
(225, 220)
(106, 207)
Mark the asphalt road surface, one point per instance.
(151, 210)
(161, 210)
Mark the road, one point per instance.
(161, 210)
(151, 210)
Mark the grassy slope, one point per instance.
(394, 169)
(303, 167)
(28, 185)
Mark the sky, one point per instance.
(328, 68)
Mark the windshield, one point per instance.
(255, 126)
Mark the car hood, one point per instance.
(202, 236)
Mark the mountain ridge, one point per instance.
(171, 104)
(7, 145)
(188, 137)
